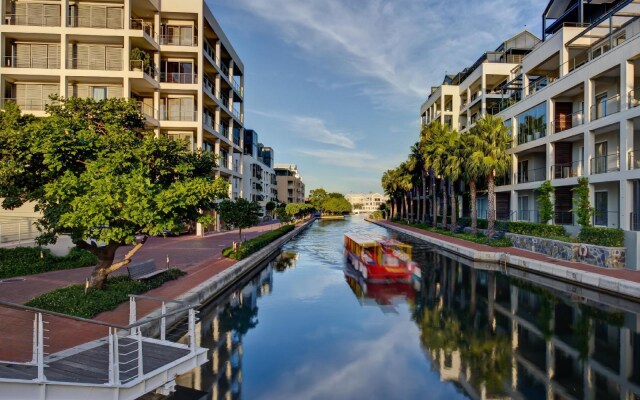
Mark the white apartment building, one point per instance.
(172, 57)
(572, 109)
(366, 203)
(259, 183)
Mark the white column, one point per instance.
(564, 58)
(626, 83)
(525, 85)
(550, 150)
(513, 206)
(626, 207)
(588, 100)
(483, 94)
(216, 121)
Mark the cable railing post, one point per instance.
(116, 357)
(192, 330)
(112, 377)
(35, 339)
(132, 313)
(40, 364)
(163, 323)
(140, 365)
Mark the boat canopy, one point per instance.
(364, 240)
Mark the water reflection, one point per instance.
(295, 330)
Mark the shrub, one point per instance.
(466, 221)
(534, 229)
(72, 300)
(545, 205)
(581, 204)
(27, 261)
(601, 236)
(251, 246)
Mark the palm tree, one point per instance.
(472, 168)
(492, 146)
(425, 137)
(436, 154)
(454, 162)
(405, 185)
(390, 187)
(416, 165)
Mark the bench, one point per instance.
(144, 270)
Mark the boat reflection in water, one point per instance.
(384, 295)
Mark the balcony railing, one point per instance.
(567, 170)
(87, 63)
(27, 104)
(178, 77)
(633, 159)
(95, 23)
(605, 107)
(178, 115)
(605, 218)
(563, 218)
(531, 136)
(527, 215)
(32, 20)
(568, 121)
(532, 175)
(145, 26)
(175, 40)
(634, 221)
(39, 62)
(146, 109)
(604, 164)
(236, 113)
(138, 65)
(634, 98)
(540, 84)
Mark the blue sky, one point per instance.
(335, 86)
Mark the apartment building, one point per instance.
(366, 203)
(172, 57)
(290, 186)
(259, 183)
(571, 106)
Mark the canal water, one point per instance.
(305, 327)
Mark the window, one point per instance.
(600, 162)
(98, 93)
(523, 208)
(523, 171)
(532, 124)
(602, 212)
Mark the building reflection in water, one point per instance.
(498, 336)
(221, 331)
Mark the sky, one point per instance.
(335, 86)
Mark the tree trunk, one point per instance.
(474, 209)
(100, 273)
(406, 206)
(444, 204)
(423, 217)
(434, 200)
(454, 209)
(416, 207)
(491, 229)
(240, 234)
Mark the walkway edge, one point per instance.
(584, 278)
(217, 284)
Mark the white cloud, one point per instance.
(395, 50)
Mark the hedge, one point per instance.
(72, 300)
(252, 245)
(535, 229)
(22, 261)
(601, 236)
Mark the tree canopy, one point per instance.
(93, 172)
(240, 213)
(330, 203)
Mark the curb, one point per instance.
(583, 278)
(217, 284)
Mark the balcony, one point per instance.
(566, 121)
(26, 104)
(138, 65)
(178, 77)
(532, 175)
(144, 26)
(174, 40)
(146, 109)
(567, 170)
(98, 19)
(634, 98)
(633, 159)
(104, 63)
(178, 115)
(604, 164)
(14, 61)
(33, 19)
(539, 84)
(634, 221)
(605, 107)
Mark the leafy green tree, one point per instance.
(390, 185)
(270, 206)
(545, 205)
(494, 140)
(317, 197)
(335, 205)
(94, 173)
(282, 215)
(581, 204)
(240, 213)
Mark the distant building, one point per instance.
(290, 186)
(259, 183)
(366, 203)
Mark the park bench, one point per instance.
(144, 270)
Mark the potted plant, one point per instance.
(137, 58)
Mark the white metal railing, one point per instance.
(89, 63)
(32, 19)
(30, 337)
(14, 61)
(26, 104)
(18, 231)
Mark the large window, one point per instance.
(532, 124)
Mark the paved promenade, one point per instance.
(626, 274)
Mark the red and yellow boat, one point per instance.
(379, 259)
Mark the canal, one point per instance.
(304, 328)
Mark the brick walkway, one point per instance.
(633, 276)
(201, 258)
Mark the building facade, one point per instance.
(366, 203)
(571, 106)
(172, 57)
(259, 183)
(290, 187)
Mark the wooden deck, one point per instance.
(89, 363)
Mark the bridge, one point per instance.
(50, 356)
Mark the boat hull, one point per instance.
(378, 273)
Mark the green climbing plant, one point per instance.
(545, 205)
(581, 203)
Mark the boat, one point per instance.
(380, 259)
(386, 296)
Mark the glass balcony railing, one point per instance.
(604, 164)
(144, 26)
(565, 122)
(178, 77)
(138, 65)
(146, 109)
(532, 175)
(178, 115)
(567, 170)
(633, 159)
(605, 107)
(175, 40)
